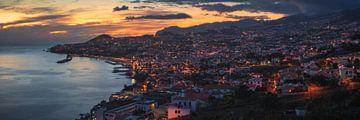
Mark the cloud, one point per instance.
(9, 2)
(51, 34)
(144, 7)
(277, 6)
(3, 6)
(254, 6)
(324, 6)
(122, 8)
(262, 17)
(58, 32)
(29, 10)
(135, 1)
(161, 17)
(34, 19)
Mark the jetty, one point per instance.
(67, 59)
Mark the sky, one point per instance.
(69, 21)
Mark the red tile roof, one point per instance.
(190, 95)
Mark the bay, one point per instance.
(34, 87)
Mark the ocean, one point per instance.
(34, 87)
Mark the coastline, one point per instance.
(123, 61)
(120, 61)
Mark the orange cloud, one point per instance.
(58, 32)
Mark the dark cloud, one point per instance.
(148, 1)
(9, 2)
(3, 6)
(161, 17)
(35, 19)
(122, 8)
(278, 6)
(324, 6)
(29, 35)
(144, 7)
(44, 9)
(262, 17)
(77, 10)
(135, 1)
(254, 6)
(30, 10)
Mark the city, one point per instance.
(185, 75)
(180, 59)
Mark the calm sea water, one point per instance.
(34, 87)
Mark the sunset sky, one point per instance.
(66, 21)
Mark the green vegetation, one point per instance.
(140, 76)
(321, 80)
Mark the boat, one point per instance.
(111, 62)
(67, 59)
(122, 67)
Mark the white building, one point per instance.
(254, 83)
(186, 102)
(176, 112)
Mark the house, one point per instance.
(311, 69)
(97, 112)
(329, 72)
(112, 109)
(119, 111)
(349, 83)
(254, 83)
(148, 106)
(177, 111)
(345, 72)
(186, 102)
(216, 90)
(290, 82)
(160, 113)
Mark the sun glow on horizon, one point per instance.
(97, 17)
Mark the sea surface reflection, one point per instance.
(34, 87)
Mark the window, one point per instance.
(190, 104)
(177, 111)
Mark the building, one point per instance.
(120, 111)
(177, 111)
(160, 113)
(111, 110)
(254, 83)
(148, 106)
(187, 102)
(215, 90)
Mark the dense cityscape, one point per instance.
(179, 59)
(296, 67)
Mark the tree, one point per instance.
(270, 102)
(140, 76)
(242, 92)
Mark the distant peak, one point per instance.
(103, 36)
(172, 27)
